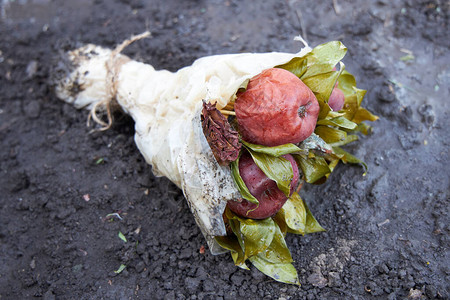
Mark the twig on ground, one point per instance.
(337, 8)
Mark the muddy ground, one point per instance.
(387, 232)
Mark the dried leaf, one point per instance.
(223, 140)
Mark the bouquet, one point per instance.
(238, 133)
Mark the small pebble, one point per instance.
(33, 264)
(32, 68)
(317, 279)
(383, 269)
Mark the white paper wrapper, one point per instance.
(166, 108)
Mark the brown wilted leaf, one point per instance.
(223, 140)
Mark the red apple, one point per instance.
(337, 99)
(276, 108)
(265, 190)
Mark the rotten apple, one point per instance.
(265, 190)
(276, 108)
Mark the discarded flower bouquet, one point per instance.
(238, 133)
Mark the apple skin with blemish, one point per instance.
(276, 108)
(265, 190)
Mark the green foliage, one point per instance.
(276, 151)
(313, 167)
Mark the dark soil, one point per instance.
(388, 231)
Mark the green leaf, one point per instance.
(333, 165)
(330, 134)
(257, 235)
(311, 225)
(363, 114)
(363, 128)
(322, 85)
(313, 168)
(321, 59)
(359, 94)
(237, 261)
(295, 214)
(280, 272)
(330, 52)
(120, 269)
(281, 222)
(253, 236)
(304, 215)
(350, 138)
(276, 151)
(346, 83)
(353, 99)
(348, 158)
(242, 188)
(235, 227)
(338, 121)
(122, 237)
(278, 169)
(334, 114)
(350, 106)
(277, 252)
(324, 57)
(231, 243)
(297, 66)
